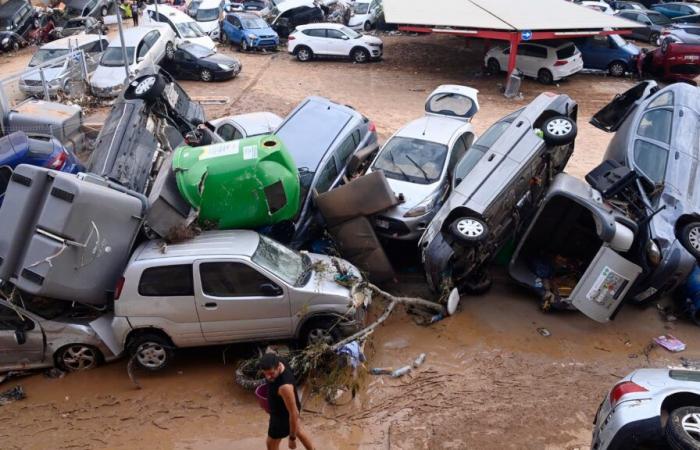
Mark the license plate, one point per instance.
(382, 224)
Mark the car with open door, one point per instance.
(419, 159)
(495, 190)
(657, 136)
(196, 62)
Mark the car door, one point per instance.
(229, 132)
(236, 301)
(21, 339)
(229, 27)
(188, 65)
(643, 33)
(337, 43)
(527, 62)
(597, 54)
(156, 50)
(316, 40)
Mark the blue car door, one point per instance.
(232, 28)
(600, 53)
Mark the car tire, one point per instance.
(77, 357)
(205, 75)
(359, 55)
(151, 351)
(319, 331)
(493, 66)
(559, 130)
(617, 69)
(147, 87)
(664, 45)
(653, 38)
(690, 238)
(223, 37)
(367, 26)
(544, 76)
(15, 46)
(169, 51)
(243, 46)
(104, 11)
(677, 436)
(304, 53)
(469, 229)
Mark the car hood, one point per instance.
(107, 77)
(204, 41)
(50, 73)
(371, 39)
(208, 27)
(631, 49)
(322, 280)
(267, 31)
(413, 194)
(221, 59)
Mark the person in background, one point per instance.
(135, 12)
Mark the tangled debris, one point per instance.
(12, 395)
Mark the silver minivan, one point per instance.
(228, 286)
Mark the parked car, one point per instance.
(365, 15)
(224, 287)
(185, 28)
(145, 47)
(322, 154)
(242, 126)
(82, 25)
(67, 68)
(333, 40)
(682, 34)
(194, 62)
(496, 189)
(611, 53)
(652, 139)
(547, 62)
(419, 159)
(253, 5)
(248, 31)
(72, 340)
(654, 24)
(287, 15)
(85, 8)
(16, 22)
(207, 14)
(650, 408)
(673, 62)
(676, 9)
(619, 6)
(694, 18)
(598, 5)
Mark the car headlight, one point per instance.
(653, 253)
(252, 37)
(424, 207)
(224, 67)
(6, 41)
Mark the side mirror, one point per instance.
(345, 38)
(20, 336)
(270, 290)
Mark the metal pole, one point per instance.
(43, 84)
(155, 2)
(121, 36)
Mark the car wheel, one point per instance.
(244, 46)
(76, 357)
(360, 55)
(15, 46)
(367, 26)
(304, 54)
(654, 38)
(104, 11)
(223, 37)
(683, 428)
(169, 50)
(493, 67)
(544, 76)
(664, 45)
(320, 331)
(469, 229)
(151, 351)
(147, 87)
(206, 75)
(617, 69)
(690, 238)
(559, 130)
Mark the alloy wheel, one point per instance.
(303, 54)
(151, 355)
(205, 75)
(319, 336)
(691, 426)
(694, 237)
(79, 357)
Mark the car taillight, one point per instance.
(118, 288)
(622, 389)
(58, 162)
(372, 127)
(561, 62)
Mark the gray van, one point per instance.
(228, 286)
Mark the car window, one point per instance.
(532, 50)
(599, 41)
(335, 34)
(167, 281)
(346, 148)
(451, 104)
(685, 375)
(565, 53)
(93, 47)
(10, 320)
(278, 259)
(315, 33)
(458, 151)
(410, 159)
(151, 38)
(651, 160)
(227, 132)
(656, 125)
(232, 279)
(328, 175)
(658, 19)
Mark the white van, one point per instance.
(207, 14)
(186, 29)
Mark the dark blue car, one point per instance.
(38, 150)
(249, 31)
(610, 53)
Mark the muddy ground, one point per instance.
(491, 381)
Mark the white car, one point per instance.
(145, 46)
(547, 61)
(248, 125)
(650, 408)
(598, 5)
(365, 14)
(207, 14)
(419, 159)
(185, 28)
(333, 40)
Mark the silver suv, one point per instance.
(228, 286)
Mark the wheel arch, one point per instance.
(679, 400)
(461, 211)
(313, 318)
(360, 47)
(684, 220)
(136, 332)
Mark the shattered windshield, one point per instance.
(45, 55)
(412, 160)
(114, 57)
(189, 30)
(361, 8)
(280, 260)
(207, 15)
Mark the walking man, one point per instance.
(135, 12)
(284, 405)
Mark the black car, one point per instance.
(88, 25)
(196, 62)
(16, 21)
(695, 18)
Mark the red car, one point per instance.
(673, 62)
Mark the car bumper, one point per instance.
(37, 90)
(107, 92)
(567, 70)
(265, 44)
(121, 328)
(226, 74)
(376, 52)
(618, 433)
(405, 229)
(672, 272)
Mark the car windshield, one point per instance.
(189, 30)
(113, 56)
(618, 40)
(361, 8)
(479, 149)
(45, 55)
(658, 19)
(254, 23)
(352, 33)
(413, 160)
(199, 51)
(280, 260)
(207, 15)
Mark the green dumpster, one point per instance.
(239, 184)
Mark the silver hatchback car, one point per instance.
(228, 286)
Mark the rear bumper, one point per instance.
(566, 71)
(630, 435)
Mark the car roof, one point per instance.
(432, 128)
(173, 14)
(9, 8)
(311, 26)
(132, 36)
(66, 42)
(209, 4)
(208, 243)
(254, 123)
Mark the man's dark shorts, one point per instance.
(279, 427)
